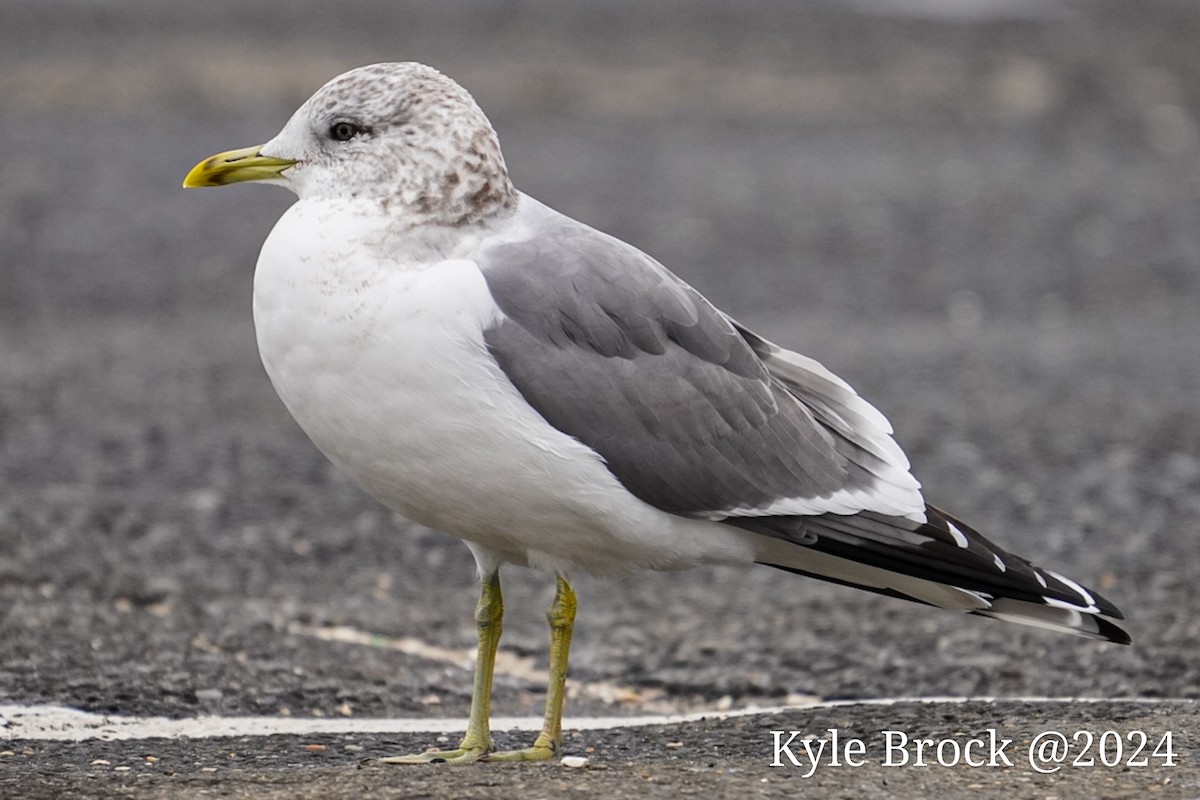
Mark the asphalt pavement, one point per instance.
(984, 214)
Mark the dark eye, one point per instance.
(344, 131)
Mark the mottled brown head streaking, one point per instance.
(403, 134)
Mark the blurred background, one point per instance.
(984, 214)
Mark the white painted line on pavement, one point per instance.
(62, 723)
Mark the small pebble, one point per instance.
(574, 762)
(152, 759)
(674, 745)
(8, 753)
(352, 748)
(121, 769)
(314, 748)
(100, 762)
(208, 769)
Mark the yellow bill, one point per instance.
(235, 166)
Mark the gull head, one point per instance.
(400, 134)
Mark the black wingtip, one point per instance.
(1112, 632)
(1105, 605)
(888, 555)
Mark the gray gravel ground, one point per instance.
(987, 220)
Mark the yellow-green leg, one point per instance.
(477, 744)
(489, 617)
(561, 617)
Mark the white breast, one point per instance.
(383, 364)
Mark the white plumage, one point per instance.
(381, 360)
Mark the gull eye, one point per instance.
(344, 131)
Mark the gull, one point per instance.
(557, 399)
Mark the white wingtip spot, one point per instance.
(1065, 606)
(1087, 597)
(959, 537)
(1000, 563)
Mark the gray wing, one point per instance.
(699, 416)
(612, 349)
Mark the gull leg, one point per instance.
(489, 615)
(561, 617)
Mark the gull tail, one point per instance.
(941, 562)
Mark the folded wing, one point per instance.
(700, 417)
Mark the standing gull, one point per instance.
(556, 398)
